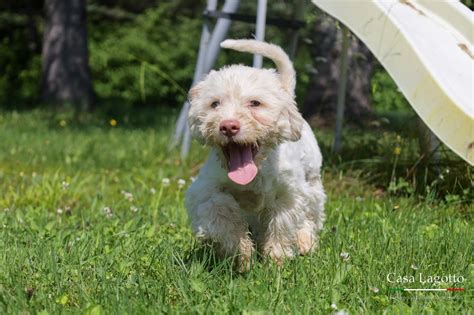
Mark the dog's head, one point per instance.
(245, 112)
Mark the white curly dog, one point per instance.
(261, 182)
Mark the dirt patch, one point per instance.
(408, 3)
(466, 50)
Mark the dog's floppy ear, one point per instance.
(193, 92)
(291, 123)
(193, 113)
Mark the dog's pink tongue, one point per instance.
(242, 169)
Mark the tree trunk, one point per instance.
(65, 74)
(321, 98)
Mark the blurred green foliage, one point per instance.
(385, 96)
(140, 53)
(145, 61)
(20, 65)
(387, 155)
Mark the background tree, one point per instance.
(325, 51)
(65, 68)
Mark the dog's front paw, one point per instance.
(278, 251)
(245, 253)
(306, 241)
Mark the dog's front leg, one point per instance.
(217, 219)
(280, 234)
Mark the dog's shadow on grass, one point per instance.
(207, 256)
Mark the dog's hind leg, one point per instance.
(308, 230)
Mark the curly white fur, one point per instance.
(282, 209)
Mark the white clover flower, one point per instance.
(64, 185)
(152, 191)
(374, 289)
(181, 183)
(334, 306)
(108, 212)
(345, 256)
(59, 211)
(127, 195)
(358, 198)
(165, 181)
(133, 209)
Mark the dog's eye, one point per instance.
(215, 104)
(254, 103)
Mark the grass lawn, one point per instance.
(89, 224)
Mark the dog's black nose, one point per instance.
(229, 127)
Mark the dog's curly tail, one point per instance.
(273, 52)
